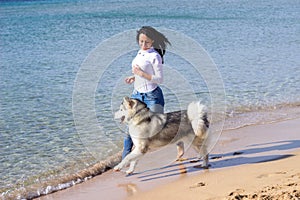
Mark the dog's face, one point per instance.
(128, 108)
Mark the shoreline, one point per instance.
(233, 122)
(246, 147)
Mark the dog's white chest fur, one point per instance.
(146, 125)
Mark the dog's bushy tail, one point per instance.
(198, 117)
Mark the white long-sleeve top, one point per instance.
(150, 62)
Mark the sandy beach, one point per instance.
(253, 162)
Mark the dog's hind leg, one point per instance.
(180, 151)
(203, 154)
(205, 164)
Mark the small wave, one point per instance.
(38, 190)
(246, 116)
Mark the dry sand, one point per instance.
(268, 180)
(254, 162)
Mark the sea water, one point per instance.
(255, 46)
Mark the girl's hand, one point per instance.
(137, 70)
(129, 79)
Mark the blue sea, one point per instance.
(45, 45)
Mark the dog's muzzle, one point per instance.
(119, 115)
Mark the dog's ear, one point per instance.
(126, 99)
(129, 102)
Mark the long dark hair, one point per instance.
(160, 41)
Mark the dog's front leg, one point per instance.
(133, 158)
(131, 167)
(130, 158)
(120, 165)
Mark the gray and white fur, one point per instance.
(152, 130)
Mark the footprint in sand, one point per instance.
(271, 174)
(200, 184)
(237, 194)
(296, 175)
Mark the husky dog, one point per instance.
(151, 130)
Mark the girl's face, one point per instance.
(145, 42)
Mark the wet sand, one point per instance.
(249, 163)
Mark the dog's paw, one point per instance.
(129, 172)
(117, 168)
(181, 159)
(202, 166)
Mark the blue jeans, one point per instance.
(155, 102)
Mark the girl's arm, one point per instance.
(157, 77)
(158, 70)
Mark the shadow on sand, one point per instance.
(251, 154)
